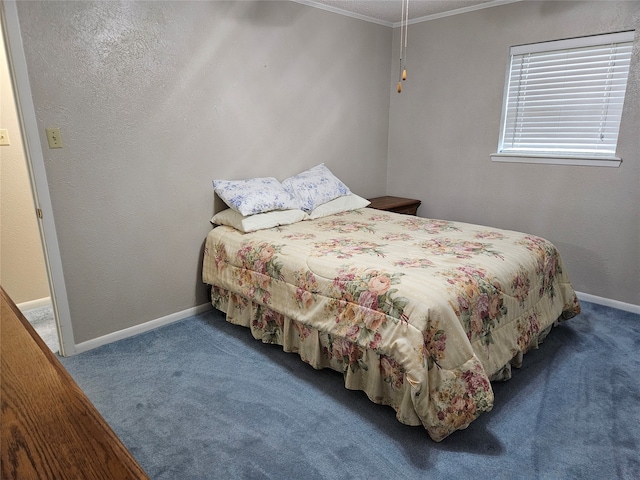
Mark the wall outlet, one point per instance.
(4, 137)
(54, 138)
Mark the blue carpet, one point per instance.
(44, 323)
(201, 399)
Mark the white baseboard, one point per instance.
(174, 317)
(30, 305)
(137, 329)
(607, 302)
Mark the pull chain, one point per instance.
(404, 24)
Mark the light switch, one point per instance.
(4, 137)
(54, 138)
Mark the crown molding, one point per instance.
(458, 11)
(426, 18)
(346, 13)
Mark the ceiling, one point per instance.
(389, 12)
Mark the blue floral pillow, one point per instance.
(255, 195)
(314, 187)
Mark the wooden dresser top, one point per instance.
(50, 429)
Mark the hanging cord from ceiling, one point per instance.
(404, 24)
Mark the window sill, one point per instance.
(557, 160)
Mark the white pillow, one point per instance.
(255, 195)
(314, 187)
(258, 221)
(339, 205)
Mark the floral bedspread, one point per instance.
(421, 314)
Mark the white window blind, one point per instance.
(565, 97)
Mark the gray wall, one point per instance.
(156, 99)
(444, 126)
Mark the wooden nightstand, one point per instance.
(407, 206)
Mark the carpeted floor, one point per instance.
(43, 322)
(201, 399)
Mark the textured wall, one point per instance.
(445, 125)
(22, 269)
(156, 99)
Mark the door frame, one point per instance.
(37, 173)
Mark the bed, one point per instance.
(420, 314)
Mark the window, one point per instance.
(563, 101)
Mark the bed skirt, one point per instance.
(380, 377)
